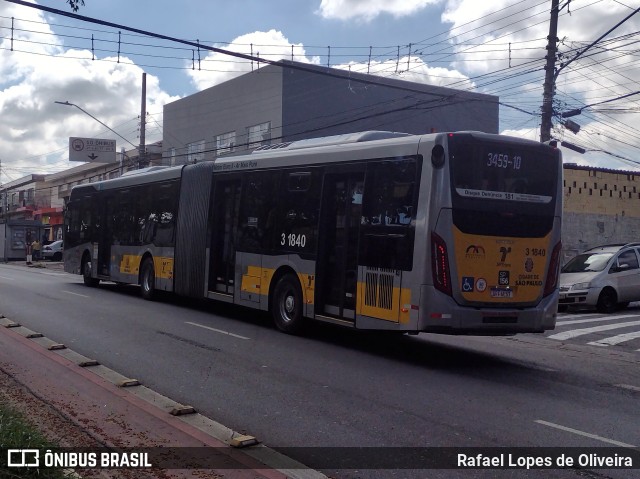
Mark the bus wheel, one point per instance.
(86, 273)
(147, 279)
(286, 306)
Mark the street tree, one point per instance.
(75, 4)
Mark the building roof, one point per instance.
(575, 166)
(25, 180)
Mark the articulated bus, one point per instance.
(453, 233)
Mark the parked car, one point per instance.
(607, 277)
(53, 251)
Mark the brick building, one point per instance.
(601, 206)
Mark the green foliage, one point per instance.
(75, 4)
(16, 432)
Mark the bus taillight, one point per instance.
(554, 268)
(440, 264)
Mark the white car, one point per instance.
(53, 251)
(607, 277)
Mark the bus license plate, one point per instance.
(501, 293)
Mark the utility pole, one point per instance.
(551, 73)
(142, 157)
(549, 78)
(2, 194)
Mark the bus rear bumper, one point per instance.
(441, 314)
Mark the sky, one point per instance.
(492, 46)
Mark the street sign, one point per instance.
(92, 150)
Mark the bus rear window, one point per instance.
(502, 171)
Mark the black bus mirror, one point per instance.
(437, 156)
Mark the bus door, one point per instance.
(105, 234)
(226, 206)
(337, 268)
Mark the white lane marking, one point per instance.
(76, 294)
(595, 320)
(217, 330)
(54, 274)
(574, 333)
(613, 340)
(582, 433)
(4, 277)
(628, 386)
(572, 315)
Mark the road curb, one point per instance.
(184, 413)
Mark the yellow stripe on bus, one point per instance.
(400, 305)
(163, 266)
(500, 270)
(130, 264)
(257, 280)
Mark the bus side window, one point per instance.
(390, 193)
(87, 215)
(389, 208)
(258, 195)
(162, 220)
(85, 224)
(142, 217)
(297, 220)
(72, 223)
(123, 218)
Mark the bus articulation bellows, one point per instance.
(453, 233)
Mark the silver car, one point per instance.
(607, 277)
(53, 251)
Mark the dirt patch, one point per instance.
(57, 426)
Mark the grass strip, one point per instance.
(16, 432)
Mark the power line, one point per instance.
(492, 78)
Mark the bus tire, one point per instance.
(147, 279)
(86, 273)
(286, 307)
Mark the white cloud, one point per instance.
(34, 130)
(490, 29)
(217, 68)
(32, 126)
(414, 70)
(494, 32)
(586, 80)
(529, 133)
(367, 10)
(595, 155)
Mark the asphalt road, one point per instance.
(334, 387)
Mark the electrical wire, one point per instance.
(496, 80)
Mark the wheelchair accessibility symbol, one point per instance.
(467, 284)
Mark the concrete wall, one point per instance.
(235, 105)
(600, 207)
(315, 104)
(308, 104)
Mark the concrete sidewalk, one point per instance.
(118, 412)
(44, 264)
